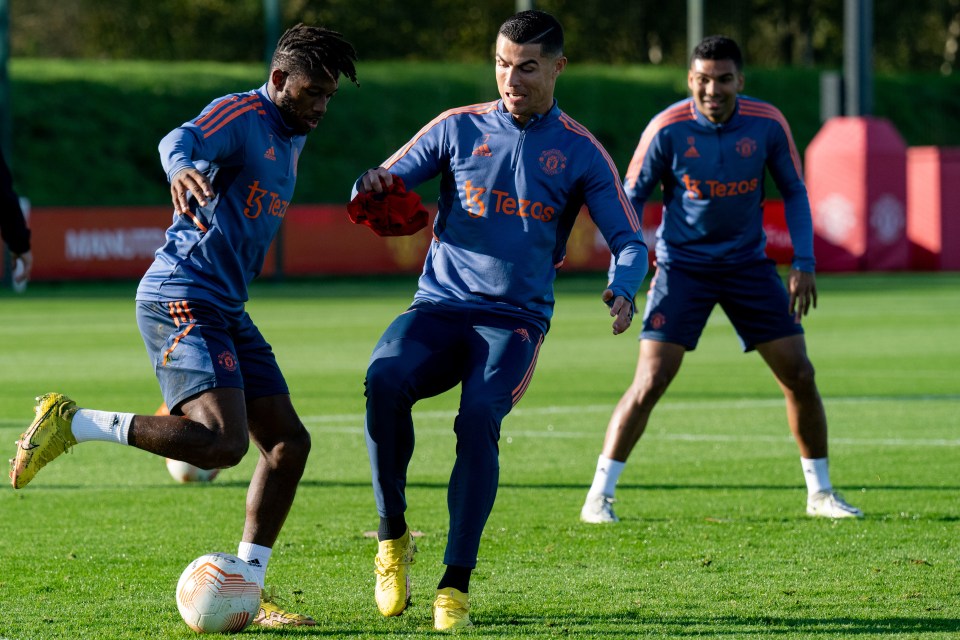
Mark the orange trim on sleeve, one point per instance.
(572, 125)
(237, 113)
(478, 109)
(222, 108)
(766, 110)
(215, 110)
(664, 119)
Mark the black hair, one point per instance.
(718, 48)
(304, 50)
(535, 27)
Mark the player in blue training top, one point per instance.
(232, 172)
(709, 153)
(514, 174)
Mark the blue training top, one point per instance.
(712, 177)
(249, 154)
(509, 196)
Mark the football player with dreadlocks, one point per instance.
(232, 172)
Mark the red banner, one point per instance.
(74, 243)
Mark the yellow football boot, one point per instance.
(393, 561)
(272, 615)
(48, 436)
(451, 610)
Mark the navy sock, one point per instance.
(456, 577)
(391, 528)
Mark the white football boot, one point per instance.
(830, 504)
(598, 509)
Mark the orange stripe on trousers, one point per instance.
(528, 376)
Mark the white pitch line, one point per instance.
(681, 405)
(353, 423)
(509, 435)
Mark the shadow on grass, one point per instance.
(632, 624)
(638, 624)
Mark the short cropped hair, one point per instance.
(535, 27)
(303, 50)
(718, 48)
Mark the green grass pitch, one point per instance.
(714, 542)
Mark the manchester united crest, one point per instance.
(552, 161)
(746, 147)
(227, 361)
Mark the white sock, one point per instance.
(605, 479)
(816, 473)
(257, 557)
(105, 426)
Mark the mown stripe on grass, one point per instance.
(353, 423)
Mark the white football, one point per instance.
(218, 593)
(186, 472)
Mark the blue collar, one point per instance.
(273, 113)
(535, 120)
(728, 124)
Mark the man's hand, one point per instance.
(802, 286)
(621, 310)
(189, 181)
(23, 265)
(376, 180)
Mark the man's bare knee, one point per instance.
(649, 386)
(291, 452)
(224, 450)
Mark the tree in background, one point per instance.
(920, 35)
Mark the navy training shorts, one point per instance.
(753, 296)
(195, 347)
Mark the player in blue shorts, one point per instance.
(232, 172)
(709, 153)
(514, 174)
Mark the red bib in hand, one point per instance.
(395, 212)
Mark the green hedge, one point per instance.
(86, 132)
